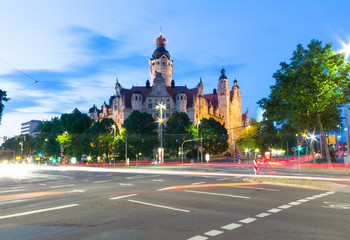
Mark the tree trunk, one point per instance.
(324, 141)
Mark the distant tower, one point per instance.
(136, 100)
(223, 96)
(181, 101)
(160, 62)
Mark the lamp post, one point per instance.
(182, 148)
(199, 122)
(67, 144)
(114, 129)
(161, 106)
(248, 143)
(21, 143)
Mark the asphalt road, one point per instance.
(72, 203)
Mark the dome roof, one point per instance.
(161, 42)
(223, 76)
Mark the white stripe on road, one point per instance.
(196, 183)
(294, 203)
(302, 200)
(261, 215)
(218, 194)
(197, 238)
(310, 198)
(231, 226)
(160, 206)
(258, 188)
(213, 233)
(37, 211)
(103, 181)
(14, 190)
(19, 198)
(124, 196)
(274, 210)
(247, 220)
(59, 186)
(285, 206)
(136, 177)
(167, 188)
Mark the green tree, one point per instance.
(178, 128)
(3, 98)
(45, 142)
(214, 136)
(310, 90)
(75, 123)
(140, 130)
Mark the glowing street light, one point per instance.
(161, 106)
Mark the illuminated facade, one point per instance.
(224, 105)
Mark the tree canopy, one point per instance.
(310, 90)
(3, 98)
(214, 136)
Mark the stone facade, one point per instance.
(224, 105)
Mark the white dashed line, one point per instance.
(310, 198)
(198, 238)
(302, 200)
(196, 183)
(104, 181)
(261, 215)
(167, 188)
(231, 226)
(218, 194)
(213, 233)
(274, 210)
(285, 206)
(68, 185)
(38, 211)
(160, 206)
(294, 203)
(124, 196)
(14, 190)
(247, 220)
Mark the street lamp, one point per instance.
(67, 144)
(248, 142)
(114, 129)
(161, 106)
(182, 148)
(199, 122)
(21, 143)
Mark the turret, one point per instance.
(223, 96)
(136, 100)
(181, 101)
(160, 62)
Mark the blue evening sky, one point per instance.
(75, 49)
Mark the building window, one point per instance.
(168, 105)
(181, 97)
(168, 100)
(150, 105)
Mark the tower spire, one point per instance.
(160, 28)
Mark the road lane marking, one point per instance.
(247, 220)
(157, 180)
(212, 185)
(42, 184)
(37, 211)
(103, 181)
(222, 179)
(310, 198)
(261, 215)
(197, 238)
(59, 186)
(21, 198)
(294, 203)
(136, 177)
(302, 200)
(259, 188)
(78, 190)
(213, 233)
(14, 190)
(167, 188)
(124, 196)
(285, 206)
(196, 183)
(126, 184)
(218, 194)
(231, 226)
(160, 206)
(274, 210)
